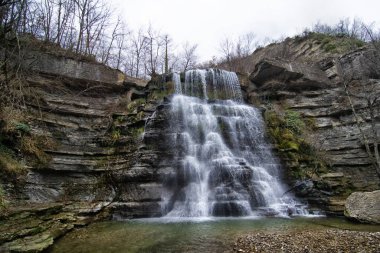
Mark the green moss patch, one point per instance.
(287, 132)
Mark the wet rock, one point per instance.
(228, 208)
(34, 227)
(128, 210)
(302, 188)
(363, 207)
(31, 244)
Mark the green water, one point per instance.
(192, 236)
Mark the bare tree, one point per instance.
(92, 17)
(121, 44)
(174, 63)
(372, 91)
(12, 78)
(344, 28)
(227, 47)
(139, 42)
(84, 27)
(46, 12)
(155, 43)
(189, 56)
(114, 35)
(82, 6)
(167, 42)
(245, 45)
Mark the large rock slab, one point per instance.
(361, 64)
(363, 207)
(62, 66)
(285, 75)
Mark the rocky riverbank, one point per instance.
(330, 240)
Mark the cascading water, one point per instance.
(225, 166)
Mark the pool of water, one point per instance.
(204, 235)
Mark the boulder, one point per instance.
(363, 207)
(290, 76)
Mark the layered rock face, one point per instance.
(140, 185)
(94, 118)
(83, 108)
(308, 82)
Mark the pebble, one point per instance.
(318, 241)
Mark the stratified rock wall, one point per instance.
(305, 82)
(95, 117)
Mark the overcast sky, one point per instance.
(207, 22)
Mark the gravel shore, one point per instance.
(309, 241)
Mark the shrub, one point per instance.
(115, 135)
(330, 47)
(135, 103)
(294, 122)
(3, 201)
(23, 127)
(33, 147)
(9, 166)
(137, 132)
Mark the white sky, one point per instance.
(207, 22)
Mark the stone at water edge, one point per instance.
(363, 207)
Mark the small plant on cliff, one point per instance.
(115, 135)
(23, 127)
(159, 94)
(3, 201)
(133, 105)
(294, 122)
(18, 143)
(136, 133)
(10, 167)
(34, 148)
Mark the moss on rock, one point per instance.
(287, 131)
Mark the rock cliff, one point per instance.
(94, 118)
(298, 78)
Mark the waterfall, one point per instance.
(225, 167)
(177, 82)
(209, 84)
